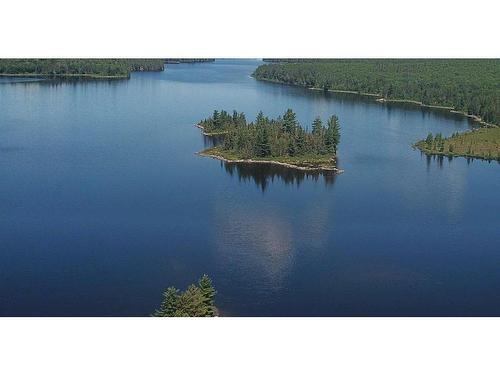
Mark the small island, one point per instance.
(281, 141)
(482, 143)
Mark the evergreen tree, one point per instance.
(169, 305)
(429, 140)
(260, 120)
(242, 121)
(289, 121)
(195, 301)
(317, 126)
(216, 120)
(263, 148)
(332, 135)
(208, 292)
(191, 303)
(300, 141)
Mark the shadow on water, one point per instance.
(265, 174)
(439, 160)
(59, 81)
(212, 141)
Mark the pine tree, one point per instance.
(289, 121)
(191, 303)
(208, 292)
(216, 119)
(169, 305)
(317, 126)
(300, 141)
(332, 138)
(195, 301)
(262, 146)
(260, 120)
(429, 140)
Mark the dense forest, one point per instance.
(188, 61)
(195, 301)
(78, 67)
(471, 86)
(273, 137)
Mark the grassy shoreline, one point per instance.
(304, 163)
(482, 143)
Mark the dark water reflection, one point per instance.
(266, 174)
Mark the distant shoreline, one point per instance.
(63, 75)
(381, 99)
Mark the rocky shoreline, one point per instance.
(287, 165)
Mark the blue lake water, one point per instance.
(103, 204)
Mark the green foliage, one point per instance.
(196, 301)
(289, 121)
(481, 143)
(469, 85)
(169, 305)
(221, 121)
(279, 137)
(208, 292)
(332, 138)
(429, 140)
(78, 67)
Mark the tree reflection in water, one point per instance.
(264, 174)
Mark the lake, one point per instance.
(104, 203)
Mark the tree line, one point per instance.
(195, 301)
(188, 61)
(81, 67)
(481, 143)
(468, 85)
(283, 136)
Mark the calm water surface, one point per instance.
(103, 204)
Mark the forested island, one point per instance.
(281, 141)
(80, 68)
(470, 86)
(482, 143)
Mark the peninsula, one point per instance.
(280, 141)
(482, 143)
(467, 86)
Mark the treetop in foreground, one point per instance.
(195, 301)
